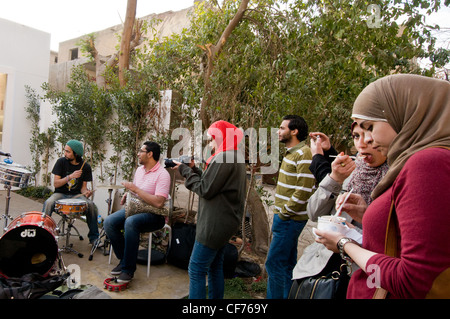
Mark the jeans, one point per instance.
(206, 261)
(91, 212)
(126, 244)
(282, 256)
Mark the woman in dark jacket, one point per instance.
(221, 189)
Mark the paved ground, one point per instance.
(165, 281)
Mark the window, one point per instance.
(74, 54)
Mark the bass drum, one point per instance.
(29, 245)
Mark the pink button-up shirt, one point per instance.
(155, 182)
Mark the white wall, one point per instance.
(24, 57)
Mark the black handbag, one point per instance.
(330, 283)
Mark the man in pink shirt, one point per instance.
(152, 184)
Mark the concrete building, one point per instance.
(106, 42)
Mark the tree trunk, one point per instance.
(124, 56)
(259, 223)
(212, 52)
(131, 38)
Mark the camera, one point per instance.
(182, 159)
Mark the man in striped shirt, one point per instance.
(152, 184)
(295, 186)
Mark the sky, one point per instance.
(66, 20)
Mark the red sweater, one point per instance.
(422, 202)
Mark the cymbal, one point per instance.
(110, 186)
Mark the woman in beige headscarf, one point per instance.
(407, 118)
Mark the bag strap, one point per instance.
(390, 246)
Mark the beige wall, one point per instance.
(107, 40)
(106, 43)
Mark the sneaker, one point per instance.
(116, 270)
(124, 277)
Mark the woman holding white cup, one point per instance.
(406, 118)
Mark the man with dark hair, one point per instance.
(151, 184)
(294, 187)
(71, 175)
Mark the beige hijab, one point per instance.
(417, 108)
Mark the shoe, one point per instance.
(124, 277)
(93, 241)
(116, 271)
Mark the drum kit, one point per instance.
(29, 243)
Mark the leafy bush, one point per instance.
(35, 192)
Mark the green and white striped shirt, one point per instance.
(295, 183)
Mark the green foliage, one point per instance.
(236, 288)
(244, 288)
(41, 143)
(83, 112)
(311, 58)
(136, 109)
(41, 192)
(33, 114)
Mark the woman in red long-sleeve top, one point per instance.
(407, 118)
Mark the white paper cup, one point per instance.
(331, 223)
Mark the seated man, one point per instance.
(152, 184)
(70, 181)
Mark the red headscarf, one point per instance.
(226, 135)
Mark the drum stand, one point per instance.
(6, 215)
(102, 232)
(66, 231)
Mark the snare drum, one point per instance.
(14, 175)
(29, 245)
(72, 207)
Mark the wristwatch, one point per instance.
(340, 245)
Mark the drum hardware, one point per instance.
(68, 247)
(6, 215)
(12, 175)
(69, 209)
(106, 242)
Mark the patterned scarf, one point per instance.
(364, 179)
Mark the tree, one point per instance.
(212, 53)
(306, 57)
(83, 111)
(124, 56)
(41, 143)
(131, 38)
(310, 58)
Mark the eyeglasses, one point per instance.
(142, 151)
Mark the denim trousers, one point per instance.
(206, 261)
(124, 234)
(91, 212)
(282, 256)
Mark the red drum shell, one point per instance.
(29, 245)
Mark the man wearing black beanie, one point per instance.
(71, 175)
